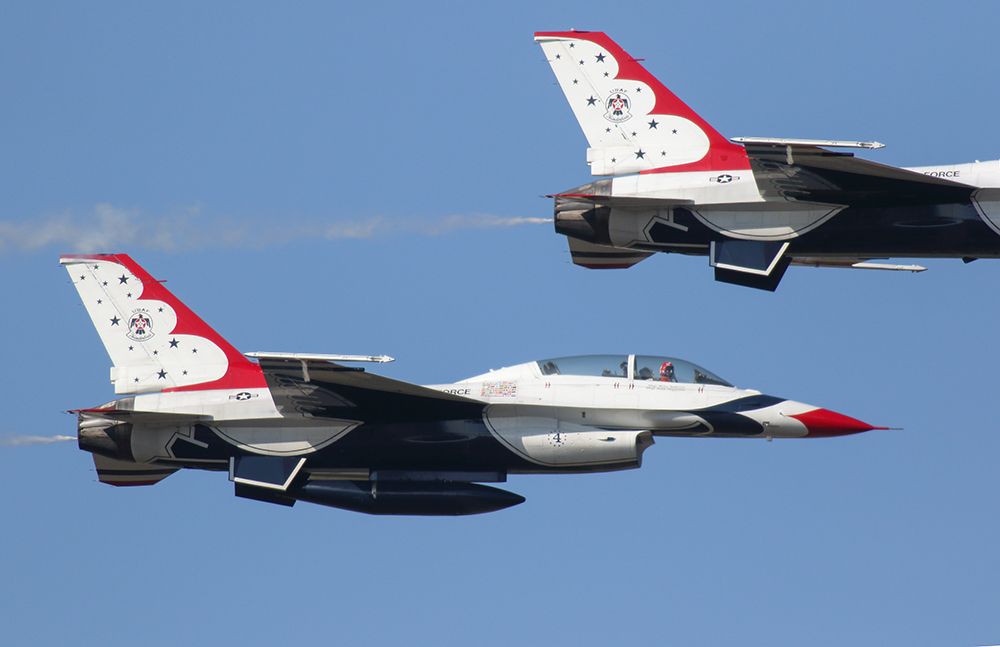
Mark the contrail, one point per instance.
(21, 441)
(110, 227)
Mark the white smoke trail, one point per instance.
(22, 441)
(474, 221)
(110, 228)
(428, 227)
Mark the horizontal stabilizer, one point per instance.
(604, 257)
(621, 201)
(146, 417)
(273, 472)
(117, 472)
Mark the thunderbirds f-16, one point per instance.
(753, 205)
(294, 427)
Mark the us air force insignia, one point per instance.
(140, 326)
(725, 178)
(618, 107)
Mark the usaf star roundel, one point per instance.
(618, 107)
(140, 326)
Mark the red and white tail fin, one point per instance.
(155, 342)
(633, 123)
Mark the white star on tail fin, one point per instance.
(632, 122)
(155, 342)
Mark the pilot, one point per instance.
(667, 372)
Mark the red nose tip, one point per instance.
(823, 422)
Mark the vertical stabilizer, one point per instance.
(633, 123)
(155, 342)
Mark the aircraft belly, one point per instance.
(949, 230)
(443, 445)
(212, 442)
(917, 231)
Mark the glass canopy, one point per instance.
(643, 367)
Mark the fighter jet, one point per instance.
(753, 205)
(290, 427)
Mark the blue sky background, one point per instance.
(321, 178)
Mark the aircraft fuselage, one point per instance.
(513, 420)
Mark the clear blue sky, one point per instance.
(321, 178)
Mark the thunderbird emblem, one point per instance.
(140, 326)
(618, 107)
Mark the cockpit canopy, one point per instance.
(639, 367)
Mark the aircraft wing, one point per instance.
(601, 192)
(637, 202)
(323, 389)
(815, 174)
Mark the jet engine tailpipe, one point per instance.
(583, 220)
(106, 437)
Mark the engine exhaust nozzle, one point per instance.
(106, 437)
(583, 220)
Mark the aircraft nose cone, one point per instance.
(823, 422)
